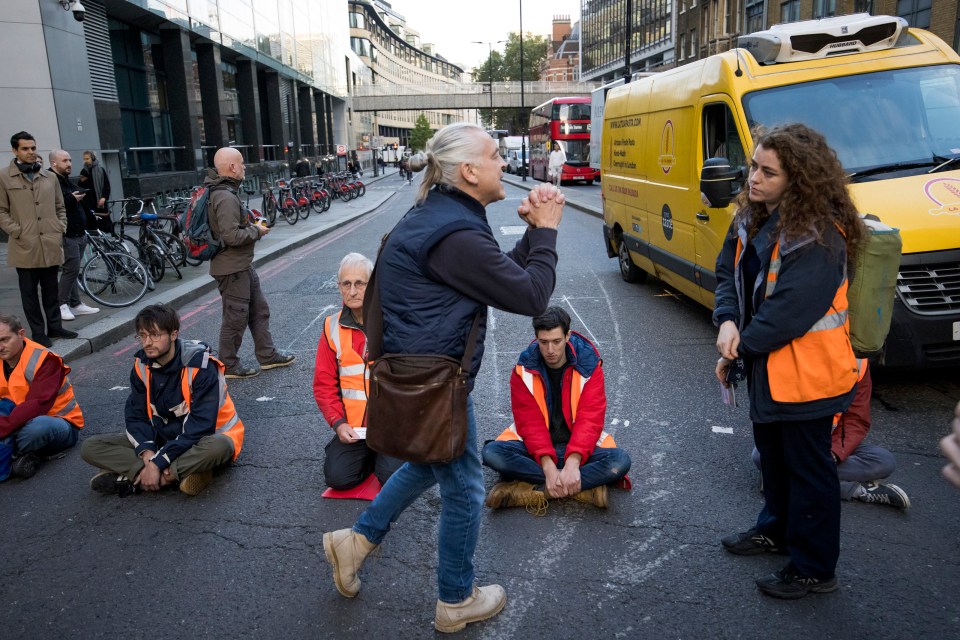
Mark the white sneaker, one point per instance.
(83, 310)
(65, 313)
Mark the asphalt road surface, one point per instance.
(244, 559)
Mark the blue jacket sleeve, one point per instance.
(200, 422)
(139, 429)
(725, 305)
(808, 280)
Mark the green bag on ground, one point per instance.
(873, 288)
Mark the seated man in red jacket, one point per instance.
(39, 415)
(556, 447)
(339, 386)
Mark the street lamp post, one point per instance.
(490, 73)
(524, 163)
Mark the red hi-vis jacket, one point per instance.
(351, 377)
(18, 386)
(194, 357)
(583, 395)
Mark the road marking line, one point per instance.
(717, 429)
(322, 313)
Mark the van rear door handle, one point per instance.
(704, 217)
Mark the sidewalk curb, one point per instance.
(120, 324)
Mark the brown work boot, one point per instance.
(196, 482)
(596, 496)
(483, 603)
(346, 550)
(518, 494)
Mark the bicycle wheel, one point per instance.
(172, 262)
(270, 210)
(290, 214)
(327, 201)
(303, 211)
(153, 258)
(317, 203)
(361, 189)
(173, 247)
(115, 279)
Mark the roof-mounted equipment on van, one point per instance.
(813, 39)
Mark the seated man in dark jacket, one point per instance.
(556, 447)
(181, 422)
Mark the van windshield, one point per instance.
(902, 120)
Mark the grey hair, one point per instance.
(446, 151)
(355, 260)
(55, 154)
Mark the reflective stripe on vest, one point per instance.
(352, 372)
(536, 388)
(228, 422)
(862, 364)
(817, 365)
(18, 386)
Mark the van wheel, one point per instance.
(629, 271)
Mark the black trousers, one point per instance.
(347, 465)
(802, 492)
(46, 279)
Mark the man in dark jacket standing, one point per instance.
(74, 239)
(94, 177)
(243, 301)
(33, 215)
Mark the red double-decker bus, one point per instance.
(566, 121)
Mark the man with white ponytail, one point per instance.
(439, 269)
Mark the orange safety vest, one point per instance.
(228, 422)
(17, 387)
(820, 363)
(352, 370)
(536, 387)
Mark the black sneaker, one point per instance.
(889, 494)
(110, 483)
(241, 372)
(64, 333)
(790, 585)
(279, 359)
(25, 466)
(750, 543)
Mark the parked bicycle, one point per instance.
(112, 277)
(156, 248)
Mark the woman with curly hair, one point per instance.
(781, 307)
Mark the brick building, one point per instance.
(563, 57)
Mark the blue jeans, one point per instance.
(513, 461)
(461, 495)
(44, 436)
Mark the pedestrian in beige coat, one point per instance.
(32, 213)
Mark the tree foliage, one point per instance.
(421, 133)
(506, 67)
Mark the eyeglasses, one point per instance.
(144, 337)
(359, 284)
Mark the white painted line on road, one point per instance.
(322, 313)
(264, 399)
(566, 300)
(626, 423)
(118, 388)
(513, 230)
(717, 429)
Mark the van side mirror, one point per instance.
(719, 182)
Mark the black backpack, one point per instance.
(197, 235)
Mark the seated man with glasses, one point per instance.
(181, 422)
(39, 416)
(339, 384)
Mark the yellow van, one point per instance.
(886, 97)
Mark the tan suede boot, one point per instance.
(596, 496)
(518, 494)
(483, 603)
(346, 550)
(196, 482)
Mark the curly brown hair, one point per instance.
(816, 195)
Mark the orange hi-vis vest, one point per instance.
(228, 422)
(820, 363)
(538, 390)
(17, 387)
(352, 370)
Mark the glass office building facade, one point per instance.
(605, 41)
